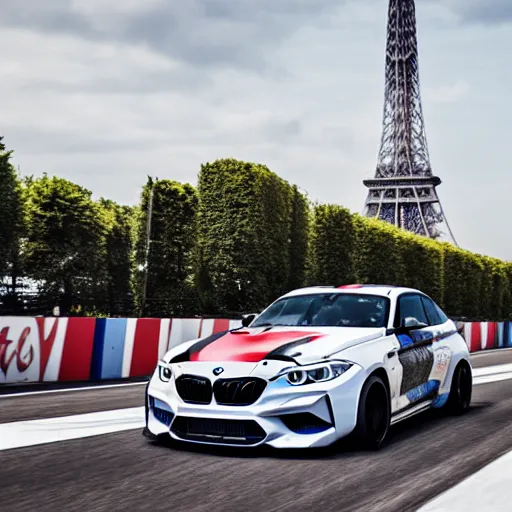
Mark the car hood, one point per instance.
(252, 345)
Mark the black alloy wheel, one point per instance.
(374, 414)
(461, 390)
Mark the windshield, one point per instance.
(327, 310)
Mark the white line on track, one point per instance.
(490, 352)
(51, 430)
(492, 370)
(491, 374)
(70, 390)
(487, 490)
(489, 379)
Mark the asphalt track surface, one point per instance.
(423, 457)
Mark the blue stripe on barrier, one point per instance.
(508, 334)
(113, 349)
(97, 350)
(499, 335)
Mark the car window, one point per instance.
(286, 312)
(411, 306)
(327, 310)
(441, 313)
(432, 310)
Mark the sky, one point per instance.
(104, 93)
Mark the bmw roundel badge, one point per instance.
(218, 370)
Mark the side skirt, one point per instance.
(403, 415)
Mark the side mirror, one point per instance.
(411, 324)
(248, 319)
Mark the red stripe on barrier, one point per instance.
(220, 325)
(145, 347)
(45, 343)
(492, 330)
(476, 337)
(77, 352)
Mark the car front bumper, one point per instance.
(284, 416)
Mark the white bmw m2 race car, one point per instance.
(317, 365)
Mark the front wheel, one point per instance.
(459, 399)
(373, 415)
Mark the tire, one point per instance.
(461, 390)
(373, 414)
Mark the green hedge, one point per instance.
(463, 281)
(246, 236)
(169, 277)
(377, 252)
(258, 238)
(332, 246)
(507, 293)
(299, 245)
(349, 248)
(253, 236)
(423, 265)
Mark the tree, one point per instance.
(299, 239)
(332, 246)
(244, 224)
(166, 280)
(12, 222)
(65, 250)
(377, 252)
(119, 255)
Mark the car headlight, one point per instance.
(164, 371)
(310, 374)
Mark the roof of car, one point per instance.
(369, 289)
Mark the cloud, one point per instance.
(197, 32)
(481, 12)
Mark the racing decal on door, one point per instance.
(424, 369)
(443, 356)
(423, 391)
(417, 363)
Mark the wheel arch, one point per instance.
(380, 372)
(383, 375)
(459, 356)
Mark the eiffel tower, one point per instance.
(403, 191)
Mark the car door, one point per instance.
(442, 333)
(416, 353)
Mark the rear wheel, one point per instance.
(461, 389)
(373, 415)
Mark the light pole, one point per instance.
(148, 243)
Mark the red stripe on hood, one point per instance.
(246, 347)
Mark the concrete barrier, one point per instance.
(83, 349)
(487, 335)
